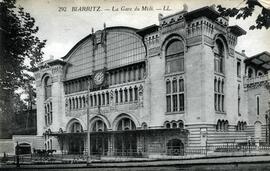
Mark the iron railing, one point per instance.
(171, 151)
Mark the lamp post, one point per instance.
(88, 125)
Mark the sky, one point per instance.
(63, 27)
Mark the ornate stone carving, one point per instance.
(258, 84)
(140, 91)
(56, 69)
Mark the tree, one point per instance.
(262, 20)
(20, 51)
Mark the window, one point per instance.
(76, 127)
(107, 97)
(174, 56)
(51, 117)
(126, 124)
(260, 73)
(99, 100)
(239, 100)
(135, 93)
(175, 102)
(91, 101)
(174, 124)
(250, 73)
(241, 126)
(168, 99)
(130, 94)
(48, 87)
(48, 114)
(219, 57)
(95, 100)
(222, 125)
(219, 96)
(121, 95)
(103, 99)
(258, 104)
(46, 122)
(116, 96)
(238, 68)
(175, 95)
(99, 126)
(126, 95)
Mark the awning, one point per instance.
(162, 130)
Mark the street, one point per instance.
(219, 167)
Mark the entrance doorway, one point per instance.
(76, 139)
(99, 140)
(175, 147)
(125, 141)
(25, 148)
(76, 145)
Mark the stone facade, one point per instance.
(207, 100)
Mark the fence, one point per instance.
(173, 151)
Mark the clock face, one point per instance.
(99, 78)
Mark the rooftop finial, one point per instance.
(104, 25)
(92, 30)
(185, 7)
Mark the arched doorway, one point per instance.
(76, 139)
(24, 148)
(99, 140)
(126, 140)
(175, 147)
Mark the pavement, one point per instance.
(151, 163)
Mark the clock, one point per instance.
(99, 78)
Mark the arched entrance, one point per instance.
(125, 140)
(76, 139)
(175, 147)
(24, 148)
(99, 140)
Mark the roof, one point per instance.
(261, 60)
(90, 35)
(56, 62)
(148, 29)
(238, 31)
(204, 11)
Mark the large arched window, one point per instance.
(219, 56)
(99, 126)
(76, 127)
(174, 56)
(126, 124)
(48, 87)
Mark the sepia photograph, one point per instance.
(119, 85)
